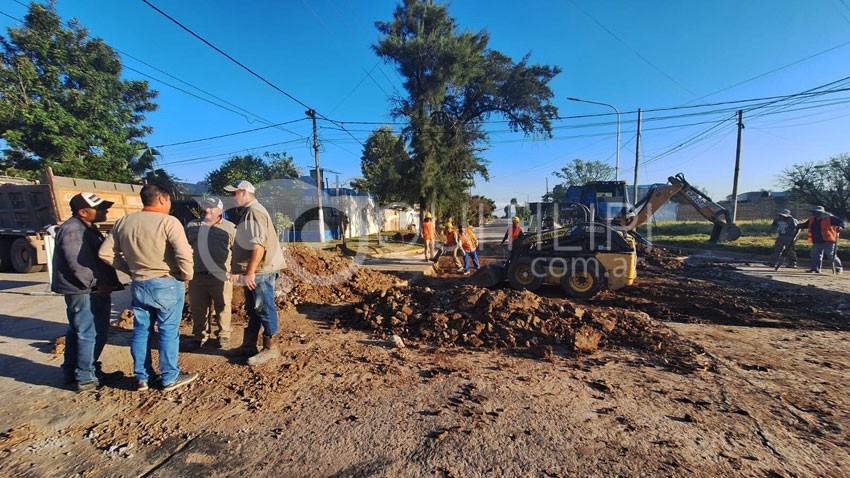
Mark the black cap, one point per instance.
(85, 200)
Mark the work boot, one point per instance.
(269, 352)
(224, 342)
(248, 347)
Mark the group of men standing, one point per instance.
(822, 230)
(160, 255)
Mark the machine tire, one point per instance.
(521, 276)
(5, 254)
(24, 258)
(582, 282)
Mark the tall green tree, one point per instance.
(252, 168)
(581, 172)
(63, 103)
(825, 183)
(454, 83)
(384, 165)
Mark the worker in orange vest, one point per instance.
(513, 232)
(428, 237)
(469, 244)
(453, 245)
(823, 230)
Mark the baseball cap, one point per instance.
(211, 202)
(241, 184)
(87, 199)
(784, 212)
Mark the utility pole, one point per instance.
(637, 154)
(312, 114)
(737, 166)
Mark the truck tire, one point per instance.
(522, 277)
(583, 281)
(5, 254)
(24, 257)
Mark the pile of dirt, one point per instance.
(506, 319)
(312, 276)
(659, 258)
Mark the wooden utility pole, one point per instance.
(637, 154)
(312, 114)
(737, 166)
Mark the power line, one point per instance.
(232, 134)
(237, 62)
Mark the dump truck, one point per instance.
(29, 208)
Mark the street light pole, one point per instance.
(617, 167)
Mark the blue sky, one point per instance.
(648, 54)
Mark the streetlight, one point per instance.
(617, 167)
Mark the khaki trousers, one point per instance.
(210, 299)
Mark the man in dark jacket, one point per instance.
(785, 227)
(87, 284)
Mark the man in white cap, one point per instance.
(785, 227)
(87, 284)
(823, 230)
(257, 260)
(210, 290)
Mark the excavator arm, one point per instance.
(724, 229)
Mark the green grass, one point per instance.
(368, 244)
(755, 238)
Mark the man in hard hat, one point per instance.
(428, 236)
(210, 290)
(453, 245)
(513, 232)
(785, 227)
(823, 230)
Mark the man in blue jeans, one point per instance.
(151, 246)
(257, 259)
(87, 284)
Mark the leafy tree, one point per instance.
(481, 207)
(63, 103)
(826, 183)
(581, 172)
(384, 163)
(559, 191)
(454, 83)
(518, 210)
(252, 168)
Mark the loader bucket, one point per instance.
(489, 276)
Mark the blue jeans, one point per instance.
(262, 310)
(466, 256)
(88, 320)
(156, 302)
(824, 248)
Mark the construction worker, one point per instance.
(786, 228)
(469, 245)
(257, 260)
(823, 230)
(211, 238)
(428, 237)
(513, 232)
(453, 245)
(87, 284)
(151, 246)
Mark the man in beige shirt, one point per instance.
(151, 246)
(257, 259)
(210, 291)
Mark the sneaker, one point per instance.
(181, 380)
(88, 386)
(791, 266)
(142, 386)
(466, 273)
(838, 271)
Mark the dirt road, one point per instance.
(702, 370)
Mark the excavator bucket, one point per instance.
(729, 233)
(489, 276)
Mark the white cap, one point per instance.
(211, 202)
(241, 184)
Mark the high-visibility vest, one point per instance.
(827, 230)
(514, 230)
(466, 242)
(428, 230)
(472, 238)
(451, 237)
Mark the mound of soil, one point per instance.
(506, 319)
(656, 257)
